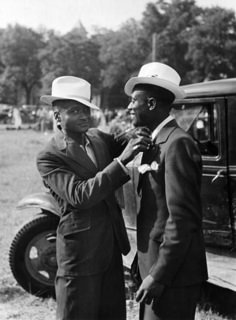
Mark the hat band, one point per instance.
(70, 96)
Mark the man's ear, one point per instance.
(57, 115)
(152, 103)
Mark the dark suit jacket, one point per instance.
(90, 217)
(169, 224)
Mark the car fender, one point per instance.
(42, 200)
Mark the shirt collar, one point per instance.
(71, 141)
(62, 141)
(160, 126)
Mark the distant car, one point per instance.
(5, 115)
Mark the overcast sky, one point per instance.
(63, 15)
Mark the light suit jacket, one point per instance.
(90, 219)
(169, 224)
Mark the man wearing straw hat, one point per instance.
(82, 168)
(171, 253)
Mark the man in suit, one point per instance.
(171, 254)
(82, 168)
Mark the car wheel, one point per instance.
(32, 255)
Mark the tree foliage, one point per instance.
(212, 45)
(71, 54)
(199, 43)
(19, 55)
(121, 54)
(172, 22)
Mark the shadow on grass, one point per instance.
(219, 300)
(10, 293)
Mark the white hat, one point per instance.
(70, 88)
(157, 74)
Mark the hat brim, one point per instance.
(176, 90)
(50, 99)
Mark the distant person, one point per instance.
(171, 253)
(109, 115)
(82, 168)
(17, 118)
(43, 117)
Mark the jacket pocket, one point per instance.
(72, 226)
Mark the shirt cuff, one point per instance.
(122, 165)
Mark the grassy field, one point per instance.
(18, 178)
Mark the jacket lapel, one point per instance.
(149, 155)
(163, 135)
(75, 153)
(154, 152)
(99, 151)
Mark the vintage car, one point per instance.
(208, 112)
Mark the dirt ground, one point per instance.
(18, 178)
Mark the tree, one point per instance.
(71, 54)
(212, 45)
(155, 17)
(121, 54)
(19, 55)
(172, 22)
(199, 43)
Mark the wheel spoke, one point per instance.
(36, 263)
(51, 275)
(42, 244)
(39, 256)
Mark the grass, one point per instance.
(18, 178)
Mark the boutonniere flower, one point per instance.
(154, 166)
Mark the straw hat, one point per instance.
(72, 88)
(157, 74)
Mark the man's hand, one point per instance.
(124, 137)
(140, 142)
(148, 290)
(141, 131)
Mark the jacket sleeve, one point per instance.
(182, 189)
(116, 143)
(78, 191)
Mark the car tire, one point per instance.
(32, 255)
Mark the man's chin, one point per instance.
(136, 124)
(80, 130)
(83, 127)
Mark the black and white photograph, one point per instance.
(118, 159)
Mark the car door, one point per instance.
(205, 120)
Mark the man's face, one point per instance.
(75, 117)
(138, 108)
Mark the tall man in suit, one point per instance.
(82, 168)
(171, 254)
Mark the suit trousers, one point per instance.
(177, 303)
(94, 297)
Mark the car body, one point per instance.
(5, 113)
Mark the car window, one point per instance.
(201, 122)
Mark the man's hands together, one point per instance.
(149, 289)
(140, 141)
